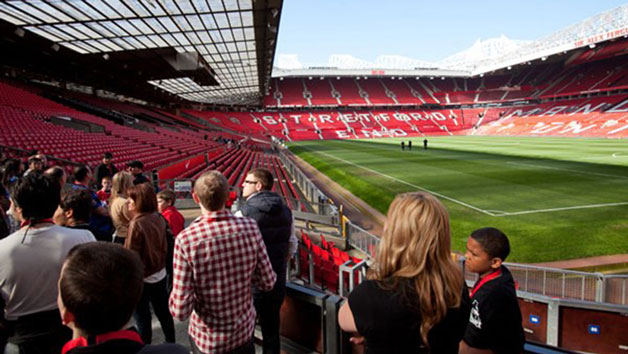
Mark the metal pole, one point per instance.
(582, 296)
(563, 292)
(544, 280)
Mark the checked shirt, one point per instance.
(216, 261)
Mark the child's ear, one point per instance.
(67, 317)
(496, 263)
(196, 199)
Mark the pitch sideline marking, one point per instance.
(565, 208)
(565, 169)
(406, 183)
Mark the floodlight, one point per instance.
(509, 68)
(543, 58)
(592, 45)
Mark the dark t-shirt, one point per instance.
(390, 322)
(495, 321)
(139, 179)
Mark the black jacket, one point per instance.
(274, 219)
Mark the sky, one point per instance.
(425, 30)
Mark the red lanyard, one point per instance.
(485, 280)
(28, 222)
(82, 341)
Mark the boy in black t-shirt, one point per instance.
(495, 321)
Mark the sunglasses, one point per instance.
(250, 182)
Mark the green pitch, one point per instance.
(556, 198)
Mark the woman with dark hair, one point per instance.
(415, 300)
(147, 237)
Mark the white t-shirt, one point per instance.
(29, 270)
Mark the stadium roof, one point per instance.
(605, 26)
(221, 50)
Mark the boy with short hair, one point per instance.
(105, 192)
(165, 204)
(495, 322)
(98, 312)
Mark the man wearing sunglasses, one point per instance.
(274, 219)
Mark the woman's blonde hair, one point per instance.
(120, 184)
(416, 245)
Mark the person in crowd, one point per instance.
(5, 205)
(274, 220)
(165, 203)
(30, 263)
(98, 312)
(57, 173)
(104, 193)
(136, 168)
(118, 207)
(35, 164)
(106, 168)
(415, 299)
(5, 196)
(100, 221)
(74, 211)
(216, 290)
(495, 322)
(13, 170)
(147, 237)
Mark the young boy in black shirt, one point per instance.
(495, 321)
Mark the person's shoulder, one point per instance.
(77, 235)
(368, 287)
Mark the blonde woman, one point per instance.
(118, 206)
(415, 300)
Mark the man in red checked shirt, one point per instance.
(216, 260)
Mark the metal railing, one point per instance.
(361, 239)
(307, 187)
(566, 284)
(616, 289)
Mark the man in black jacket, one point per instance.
(274, 219)
(106, 168)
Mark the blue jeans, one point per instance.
(157, 295)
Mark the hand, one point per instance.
(357, 339)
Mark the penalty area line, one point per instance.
(406, 183)
(591, 206)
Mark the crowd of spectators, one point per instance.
(82, 263)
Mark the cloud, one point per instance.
(288, 61)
